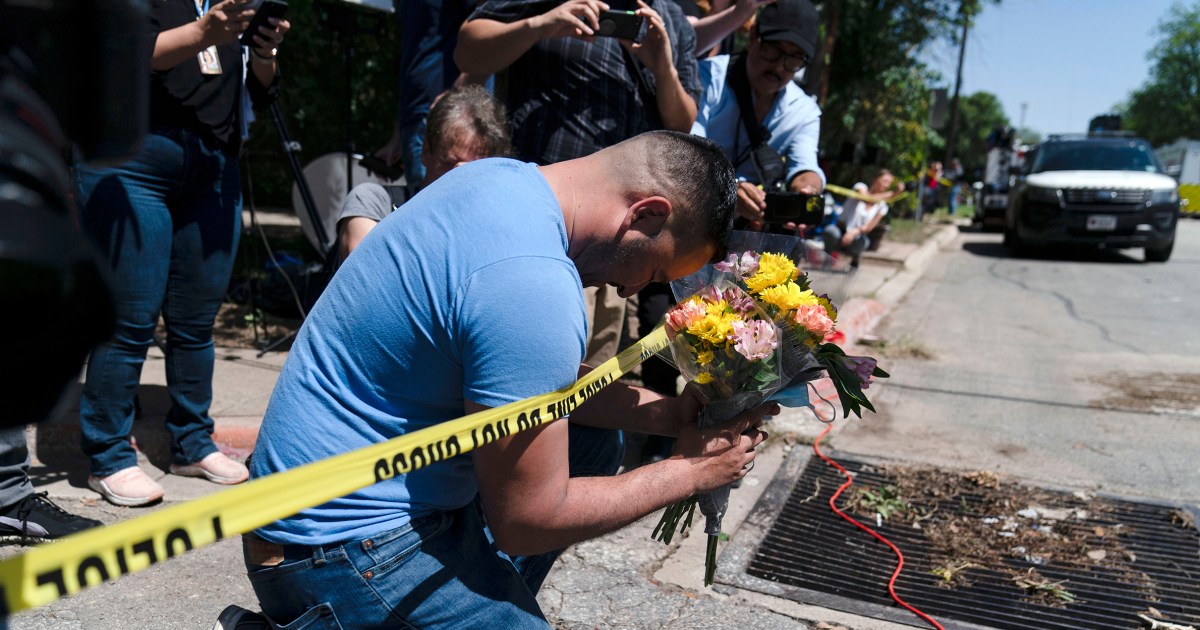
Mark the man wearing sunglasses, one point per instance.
(781, 45)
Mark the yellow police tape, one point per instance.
(1191, 196)
(52, 571)
(847, 192)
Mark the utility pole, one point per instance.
(964, 13)
(1023, 106)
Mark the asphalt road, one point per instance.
(1077, 369)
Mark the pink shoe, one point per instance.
(216, 467)
(131, 487)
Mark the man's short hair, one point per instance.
(699, 181)
(468, 114)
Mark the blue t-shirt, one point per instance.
(464, 292)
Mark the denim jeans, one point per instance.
(167, 222)
(440, 571)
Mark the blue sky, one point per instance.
(1067, 59)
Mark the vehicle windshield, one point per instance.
(1124, 155)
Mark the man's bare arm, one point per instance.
(533, 506)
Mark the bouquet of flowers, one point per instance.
(754, 330)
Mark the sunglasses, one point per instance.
(772, 52)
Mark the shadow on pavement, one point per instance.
(994, 249)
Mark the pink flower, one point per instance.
(685, 314)
(741, 266)
(755, 339)
(738, 301)
(861, 366)
(815, 319)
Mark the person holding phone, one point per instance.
(167, 222)
(781, 44)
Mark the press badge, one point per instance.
(209, 63)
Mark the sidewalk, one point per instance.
(624, 580)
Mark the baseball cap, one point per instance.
(794, 21)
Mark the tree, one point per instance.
(1029, 136)
(878, 91)
(979, 114)
(1167, 107)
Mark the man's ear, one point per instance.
(649, 216)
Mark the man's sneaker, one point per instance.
(36, 518)
(216, 467)
(130, 487)
(236, 617)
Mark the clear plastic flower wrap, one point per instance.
(764, 283)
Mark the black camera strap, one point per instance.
(738, 79)
(766, 160)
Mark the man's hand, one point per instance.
(654, 50)
(721, 456)
(751, 201)
(224, 22)
(575, 18)
(269, 37)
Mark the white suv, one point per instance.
(1105, 190)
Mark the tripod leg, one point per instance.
(292, 150)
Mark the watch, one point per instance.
(257, 58)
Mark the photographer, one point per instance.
(785, 122)
(167, 223)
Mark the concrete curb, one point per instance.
(860, 315)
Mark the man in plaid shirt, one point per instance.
(571, 93)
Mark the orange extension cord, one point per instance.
(899, 556)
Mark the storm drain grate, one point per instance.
(983, 552)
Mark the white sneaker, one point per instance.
(130, 487)
(216, 467)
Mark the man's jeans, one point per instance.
(439, 571)
(167, 222)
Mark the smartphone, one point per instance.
(794, 207)
(268, 9)
(621, 25)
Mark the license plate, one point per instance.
(1102, 222)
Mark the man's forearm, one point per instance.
(675, 106)
(642, 410)
(594, 506)
(486, 47)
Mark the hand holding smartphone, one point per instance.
(794, 207)
(266, 10)
(621, 25)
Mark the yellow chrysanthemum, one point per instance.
(787, 297)
(713, 327)
(704, 358)
(704, 378)
(773, 269)
(829, 308)
(716, 308)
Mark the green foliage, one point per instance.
(879, 93)
(1167, 107)
(1029, 136)
(314, 93)
(978, 114)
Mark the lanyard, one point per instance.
(201, 8)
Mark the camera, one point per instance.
(74, 75)
(794, 207)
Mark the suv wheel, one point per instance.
(1013, 242)
(1159, 254)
